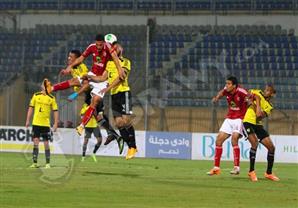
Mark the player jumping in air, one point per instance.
(121, 97)
(101, 52)
(80, 85)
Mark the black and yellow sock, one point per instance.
(252, 159)
(35, 153)
(270, 161)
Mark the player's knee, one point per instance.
(95, 101)
(99, 140)
(219, 140)
(119, 122)
(254, 145)
(85, 82)
(74, 82)
(271, 149)
(46, 146)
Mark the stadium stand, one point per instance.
(141, 6)
(45, 48)
(257, 54)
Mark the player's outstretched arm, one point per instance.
(219, 95)
(116, 82)
(101, 78)
(29, 115)
(75, 63)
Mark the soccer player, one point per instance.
(256, 132)
(77, 72)
(80, 85)
(91, 128)
(102, 52)
(121, 98)
(237, 99)
(42, 103)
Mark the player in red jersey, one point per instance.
(237, 99)
(101, 52)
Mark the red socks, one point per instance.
(87, 116)
(218, 152)
(61, 86)
(236, 152)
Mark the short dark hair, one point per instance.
(272, 87)
(99, 37)
(233, 79)
(76, 52)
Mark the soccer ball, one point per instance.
(110, 38)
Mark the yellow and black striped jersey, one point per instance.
(43, 104)
(266, 107)
(113, 74)
(79, 71)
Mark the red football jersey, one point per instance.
(100, 58)
(237, 103)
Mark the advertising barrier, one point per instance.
(168, 145)
(65, 141)
(196, 146)
(286, 148)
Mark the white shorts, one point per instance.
(97, 86)
(230, 126)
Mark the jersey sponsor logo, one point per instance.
(98, 59)
(15, 134)
(233, 104)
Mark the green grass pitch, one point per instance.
(141, 182)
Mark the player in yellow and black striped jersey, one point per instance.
(41, 105)
(121, 100)
(77, 73)
(91, 128)
(254, 128)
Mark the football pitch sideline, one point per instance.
(140, 182)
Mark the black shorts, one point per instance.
(99, 107)
(122, 104)
(258, 130)
(89, 131)
(43, 132)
